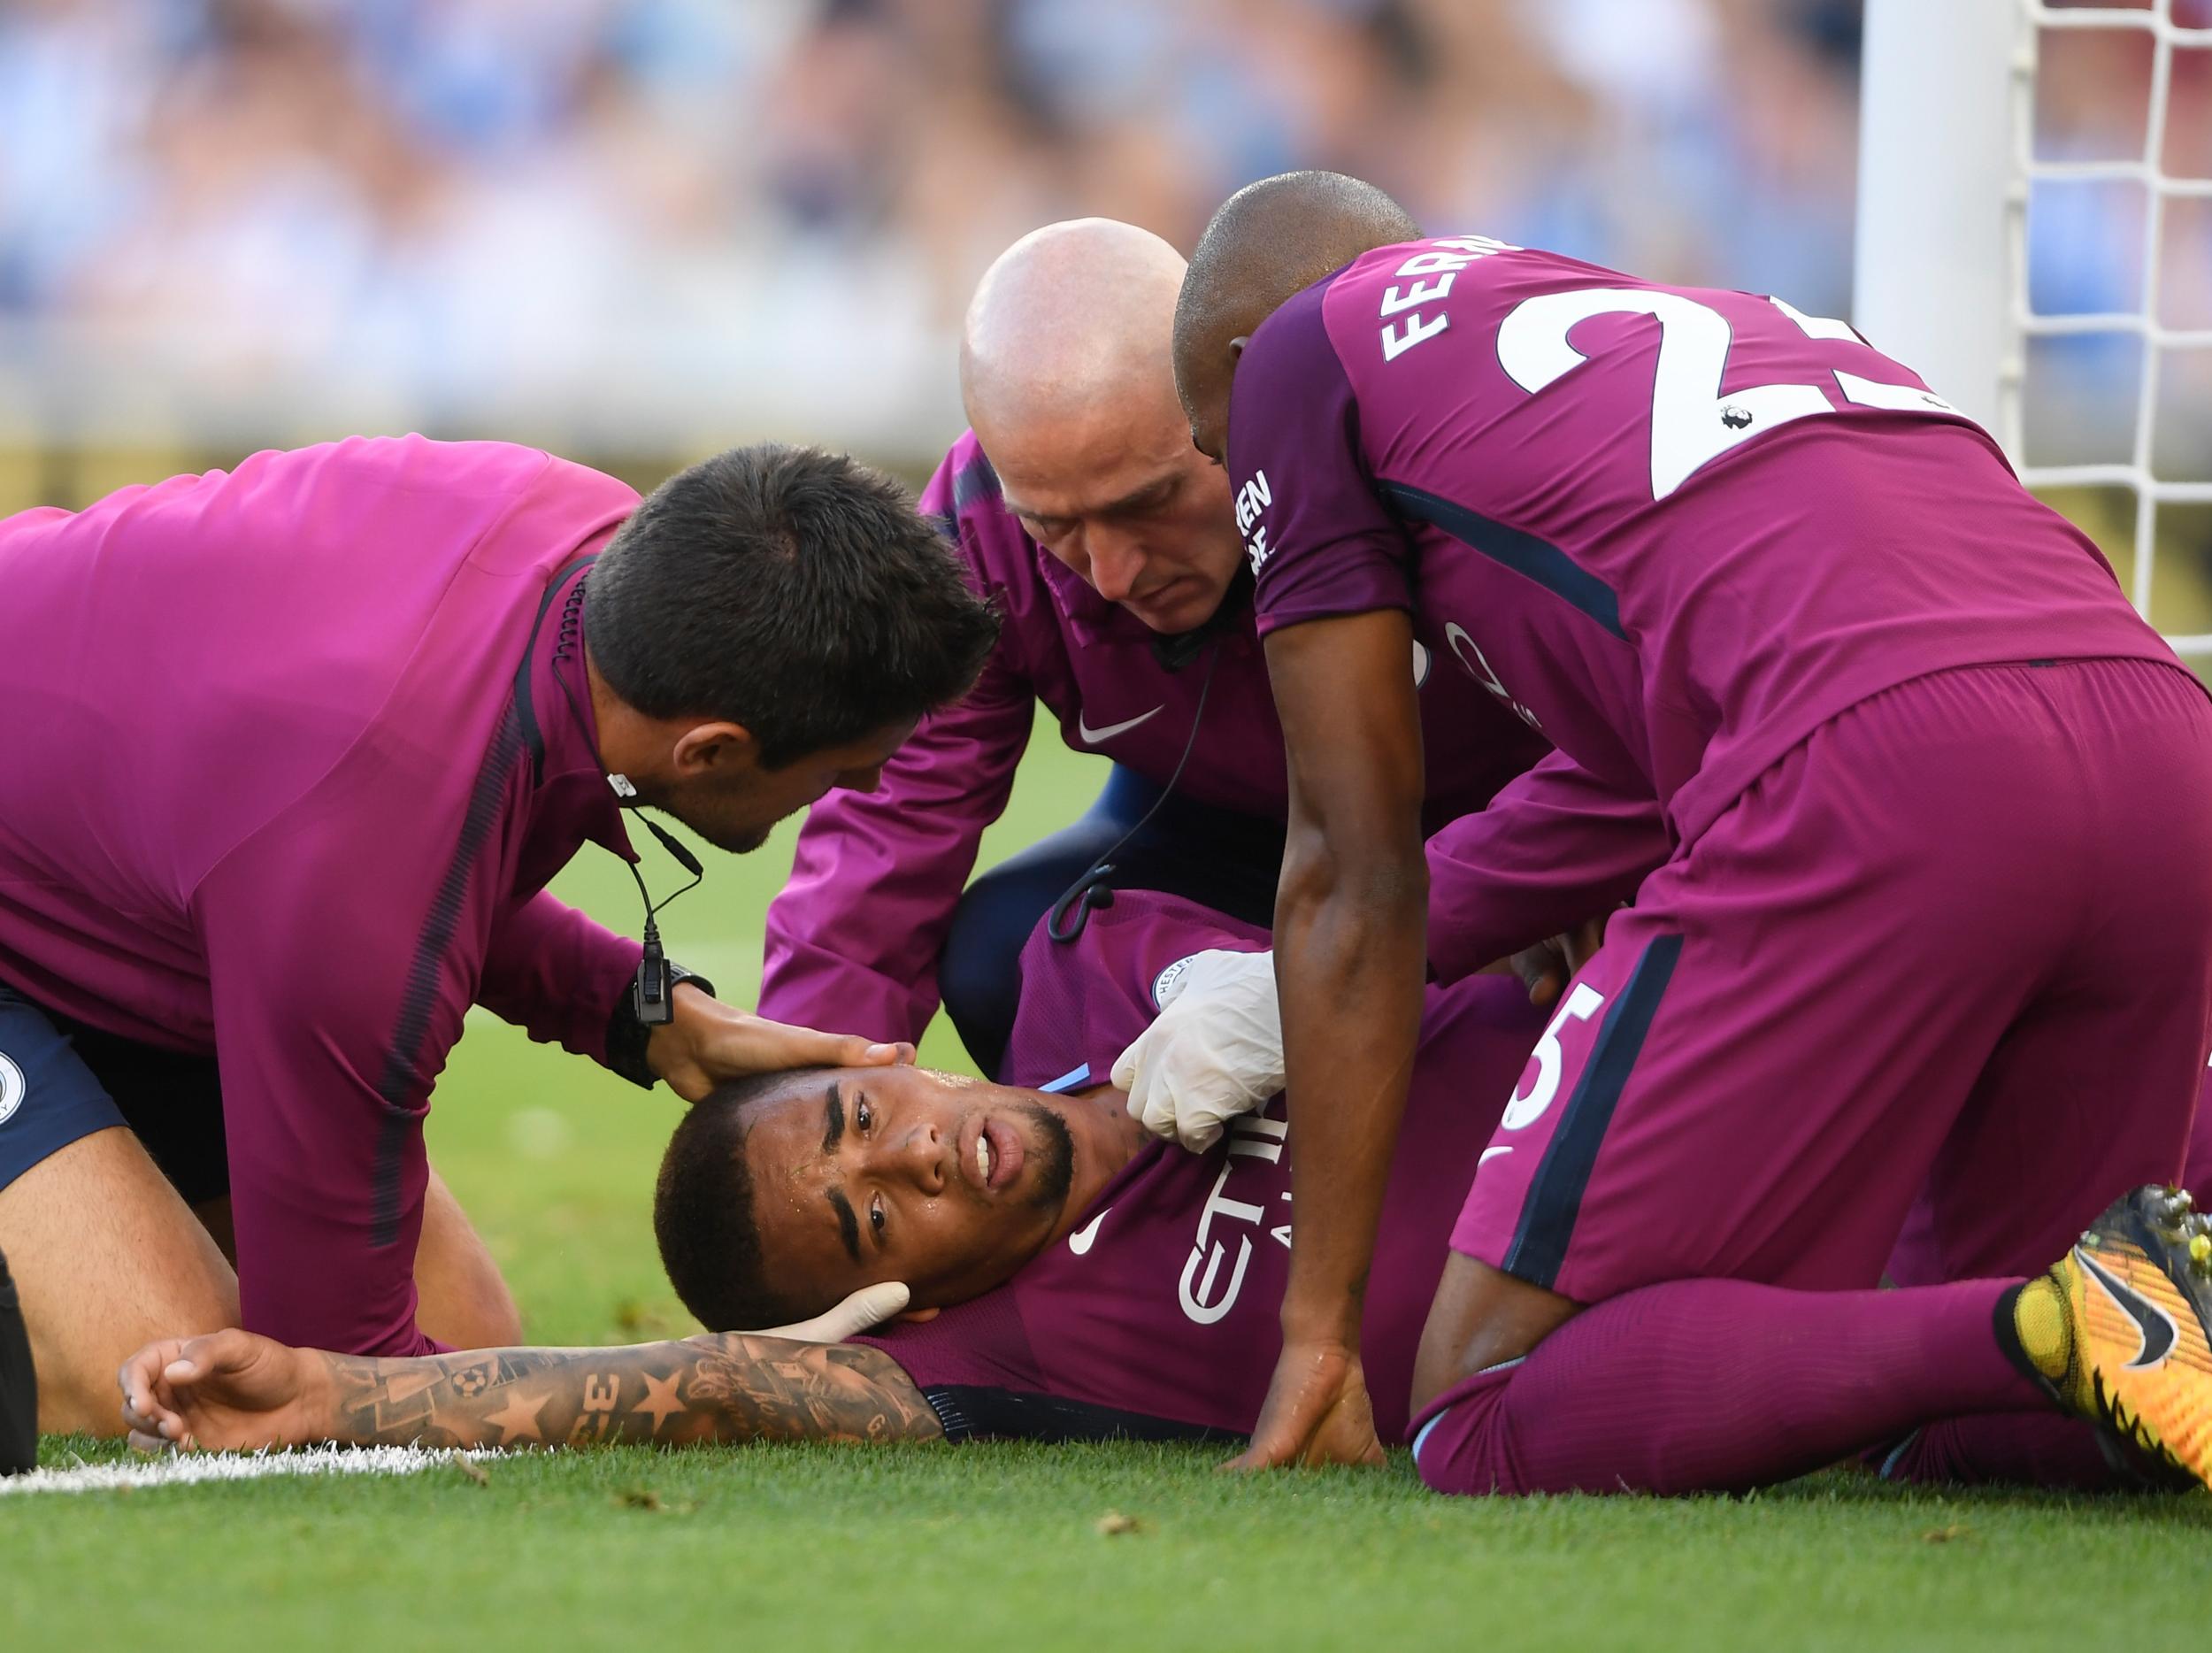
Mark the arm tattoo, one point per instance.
(727, 1387)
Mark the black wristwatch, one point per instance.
(627, 1035)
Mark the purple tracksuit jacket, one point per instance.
(853, 938)
(287, 770)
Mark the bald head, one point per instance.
(1270, 240)
(1069, 315)
(1068, 379)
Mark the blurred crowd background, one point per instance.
(649, 227)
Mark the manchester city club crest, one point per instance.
(1167, 979)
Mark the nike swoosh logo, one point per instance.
(1080, 1241)
(1489, 1154)
(2152, 1321)
(1093, 737)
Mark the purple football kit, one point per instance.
(1937, 797)
(292, 768)
(1929, 778)
(1161, 1304)
(1157, 1314)
(855, 936)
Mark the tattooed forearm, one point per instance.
(726, 1387)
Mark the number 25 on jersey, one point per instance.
(1692, 422)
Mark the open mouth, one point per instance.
(994, 1159)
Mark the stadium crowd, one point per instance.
(460, 211)
(284, 212)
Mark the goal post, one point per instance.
(1936, 170)
(1948, 169)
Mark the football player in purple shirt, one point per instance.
(1069, 1275)
(1935, 925)
(1069, 1278)
(1109, 548)
(292, 751)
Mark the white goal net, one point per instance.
(2036, 236)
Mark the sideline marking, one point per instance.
(197, 1468)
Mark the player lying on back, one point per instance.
(1077, 1278)
(1082, 1277)
(1936, 922)
(1110, 547)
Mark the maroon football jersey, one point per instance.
(1162, 1302)
(1674, 528)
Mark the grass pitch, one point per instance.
(990, 1547)
(1076, 1548)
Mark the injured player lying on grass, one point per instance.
(1070, 1276)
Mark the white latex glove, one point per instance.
(1216, 1050)
(870, 1306)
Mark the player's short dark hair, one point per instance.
(1275, 236)
(794, 591)
(703, 1212)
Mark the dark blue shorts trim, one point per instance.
(61, 1080)
(1555, 1198)
(48, 1096)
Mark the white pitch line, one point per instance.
(192, 1469)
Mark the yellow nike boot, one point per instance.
(2121, 1327)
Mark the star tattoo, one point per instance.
(519, 1421)
(661, 1401)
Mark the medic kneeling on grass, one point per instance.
(292, 752)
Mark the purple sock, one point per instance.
(2023, 1449)
(1718, 1385)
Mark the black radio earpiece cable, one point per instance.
(650, 990)
(1093, 890)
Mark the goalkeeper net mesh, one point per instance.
(2104, 399)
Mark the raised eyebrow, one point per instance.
(848, 1225)
(833, 1119)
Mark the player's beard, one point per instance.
(1056, 1168)
(743, 842)
(729, 840)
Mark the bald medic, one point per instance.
(1110, 547)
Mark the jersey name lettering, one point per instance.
(1441, 269)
